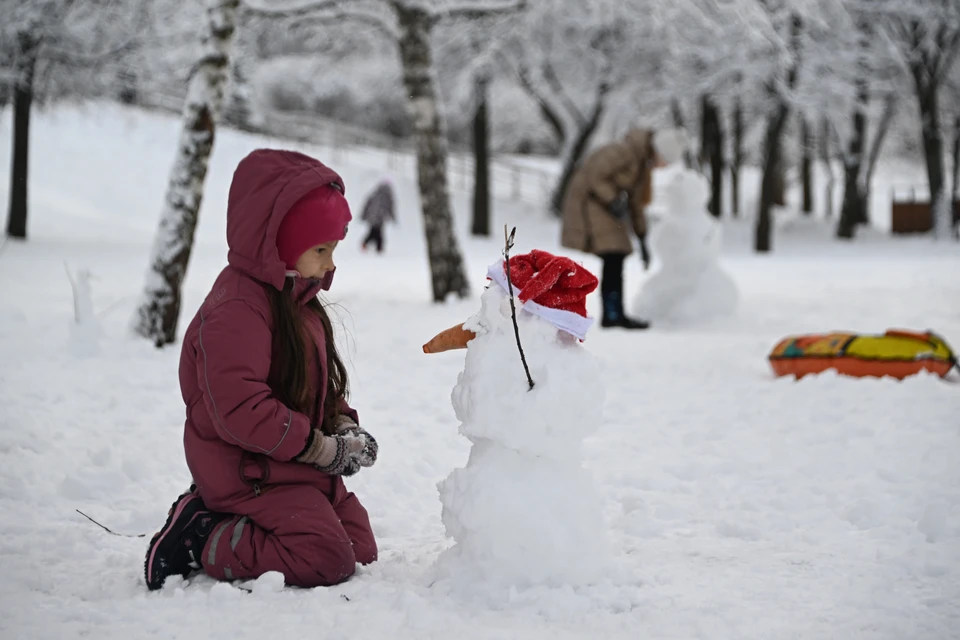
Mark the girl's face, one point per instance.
(317, 261)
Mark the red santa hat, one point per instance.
(554, 288)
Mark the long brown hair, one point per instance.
(290, 359)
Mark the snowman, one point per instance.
(690, 284)
(524, 511)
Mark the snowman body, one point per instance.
(524, 511)
(690, 285)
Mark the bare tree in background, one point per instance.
(410, 24)
(926, 33)
(159, 309)
(48, 38)
(571, 58)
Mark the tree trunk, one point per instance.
(159, 308)
(446, 262)
(573, 152)
(806, 165)
(772, 163)
(711, 151)
(940, 209)
(883, 128)
(827, 166)
(238, 109)
(853, 201)
(20, 163)
(481, 163)
(955, 191)
(737, 156)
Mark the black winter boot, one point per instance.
(177, 547)
(613, 315)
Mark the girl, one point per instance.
(269, 434)
(377, 211)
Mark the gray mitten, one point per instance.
(336, 455)
(368, 455)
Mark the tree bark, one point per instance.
(933, 148)
(771, 175)
(737, 156)
(879, 136)
(955, 191)
(481, 162)
(20, 161)
(574, 151)
(159, 308)
(446, 262)
(806, 165)
(828, 167)
(852, 210)
(711, 152)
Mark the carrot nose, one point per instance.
(455, 337)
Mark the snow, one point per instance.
(523, 500)
(690, 286)
(737, 505)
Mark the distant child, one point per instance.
(378, 209)
(269, 435)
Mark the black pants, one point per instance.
(375, 235)
(611, 279)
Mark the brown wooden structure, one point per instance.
(913, 216)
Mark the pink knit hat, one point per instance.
(320, 216)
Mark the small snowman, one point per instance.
(524, 511)
(690, 285)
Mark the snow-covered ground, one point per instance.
(739, 505)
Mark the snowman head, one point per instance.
(553, 288)
(687, 193)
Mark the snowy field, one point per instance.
(739, 506)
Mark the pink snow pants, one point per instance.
(296, 530)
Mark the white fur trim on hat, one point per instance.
(670, 144)
(568, 321)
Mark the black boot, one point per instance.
(613, 315)
(176, 548)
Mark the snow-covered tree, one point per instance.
(410, 24)
(159, 309)
(926, 34)
(41, 41)
(573, 58)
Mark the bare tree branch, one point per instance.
(379, 21)
(292, 9)
(526, 83)
(551, 77)
(480, 11)
(77, 57)
(948, 55)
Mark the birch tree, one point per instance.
(159, 308)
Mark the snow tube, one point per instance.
(897, 353)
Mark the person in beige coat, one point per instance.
(606, 200)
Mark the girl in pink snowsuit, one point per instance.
(269, 434)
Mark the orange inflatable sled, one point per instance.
(897, 353)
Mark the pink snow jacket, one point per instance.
(239, 438)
